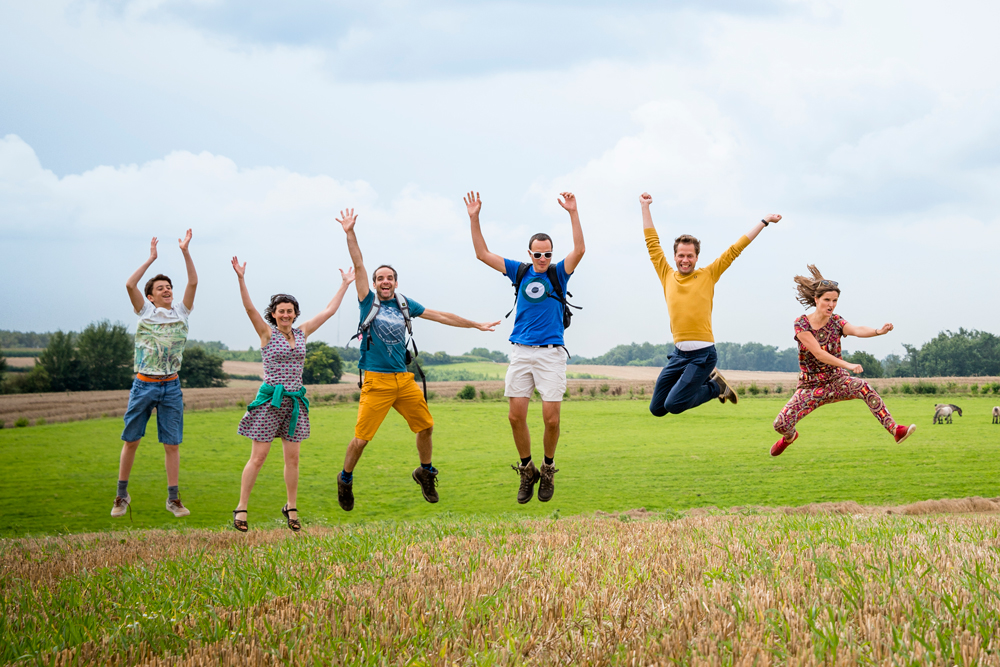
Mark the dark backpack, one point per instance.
(556, 294)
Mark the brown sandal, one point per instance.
(292, 523)
(239, 524)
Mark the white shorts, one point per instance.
(541, 368)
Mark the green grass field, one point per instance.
(613, 456)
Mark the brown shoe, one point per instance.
(529, 477)
(545, 486)
(726, 392)
(177, 508)
(427, 479)
(345, 493)
(121, 505)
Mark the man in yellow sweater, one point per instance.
(689, 378)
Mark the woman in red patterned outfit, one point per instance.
(824, 376)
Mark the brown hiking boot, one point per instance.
(345, 493)
(427, 479)
(546, 487)
(529, 477)
(726, 392)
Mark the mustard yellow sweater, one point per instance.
(689, 298)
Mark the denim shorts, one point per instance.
(169, 403)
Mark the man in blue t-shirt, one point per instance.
(383, 366)
(538, 357)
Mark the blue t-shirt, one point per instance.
(539, 317)
(387, 353)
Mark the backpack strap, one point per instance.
(404, 307)
(522, 270)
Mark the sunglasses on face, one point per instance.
(539, 255)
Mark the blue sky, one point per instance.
(872, 127)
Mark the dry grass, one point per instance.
(736, 589)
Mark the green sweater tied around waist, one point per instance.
(275, 394)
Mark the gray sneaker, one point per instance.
(176, 508)
(546, 487)
(726, 392)
(345, 493)
(427, 479)
(121, 504)
(529, 477)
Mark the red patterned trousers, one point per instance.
(806, 400)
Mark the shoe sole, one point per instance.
(909, 432)
(727, 391)
(532, 494)
(545, 500)
(341, 502)
(426, 497)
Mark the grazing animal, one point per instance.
(943, 411)
(996, 414)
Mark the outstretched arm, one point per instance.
(866, 332)
(645, 199)
(192, 285)
(755, 230)
(132, 284)
(568, 202)
(656, 255)
(473, 205)
(259, 325)
(813, 346)
(315, 323)
(347, 220)
(453, 320)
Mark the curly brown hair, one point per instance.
(807, 290)
(276, 301)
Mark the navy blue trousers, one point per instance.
(683, 383)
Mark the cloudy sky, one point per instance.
(873, 127)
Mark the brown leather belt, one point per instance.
(156, 378)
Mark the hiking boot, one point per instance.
(901, 433)
(345, 493)
(176, 508)
(726, 392)
(427, 479)
(782, 444)
(121, 504)
(545, 486)
(529, 476)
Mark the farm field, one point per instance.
(613, 456)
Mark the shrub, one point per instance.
(40, 421)
(580, 388)
(467, 393)
(974, 389)
(322, 365)
(482, 395)
(355, 396)
(642, 391)
(951, 388)
(604, 388)
(741, 390)
(779, 389)
(905, 388)
(21, 423)
(617, 391)
(926, 388)
(241, 404)
(593, 391)
(753, 388)
(765, 390)
(431, 395)
(201, 369)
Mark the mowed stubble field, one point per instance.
(478, 579)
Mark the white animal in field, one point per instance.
(996, 414)
(943, 412)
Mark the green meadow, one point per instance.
(613, 456)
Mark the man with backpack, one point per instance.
(538, 357)
(385, 324)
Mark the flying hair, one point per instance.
(809, 289)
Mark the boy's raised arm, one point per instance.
(132, 284)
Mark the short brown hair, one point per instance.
(687, 238)
(540, 236)
(385, 266)
(277, 300)
(152, 281)
(809, 289)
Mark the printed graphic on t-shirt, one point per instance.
(159, 348)
(389, 325)
(534, 291)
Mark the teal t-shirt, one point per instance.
(387, 352)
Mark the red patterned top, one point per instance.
(283, 363)
(814, 372)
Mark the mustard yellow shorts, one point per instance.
(382, 391)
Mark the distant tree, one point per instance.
(106, 351)
(323, 364)
(34, 381)
(27, 339)
(436, 358)
(63, 368)
(498, 357)
(890, 364)
(201, 369)
(3, 366)
(209, 345)
(873, 367)
(349, 353)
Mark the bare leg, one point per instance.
(258, 454)
(291, 451)
(354, 451)
(127, 459)
(550, 415)
(172, 461)
(518, 416)
(424, 444)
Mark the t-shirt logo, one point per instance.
(389, 325)
(535, 291)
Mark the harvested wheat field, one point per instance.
(744, 589)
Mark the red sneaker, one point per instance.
(782, 444)
(903, 432)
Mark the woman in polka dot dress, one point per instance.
(824, 376)
(280, 410)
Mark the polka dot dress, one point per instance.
(282, 365)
